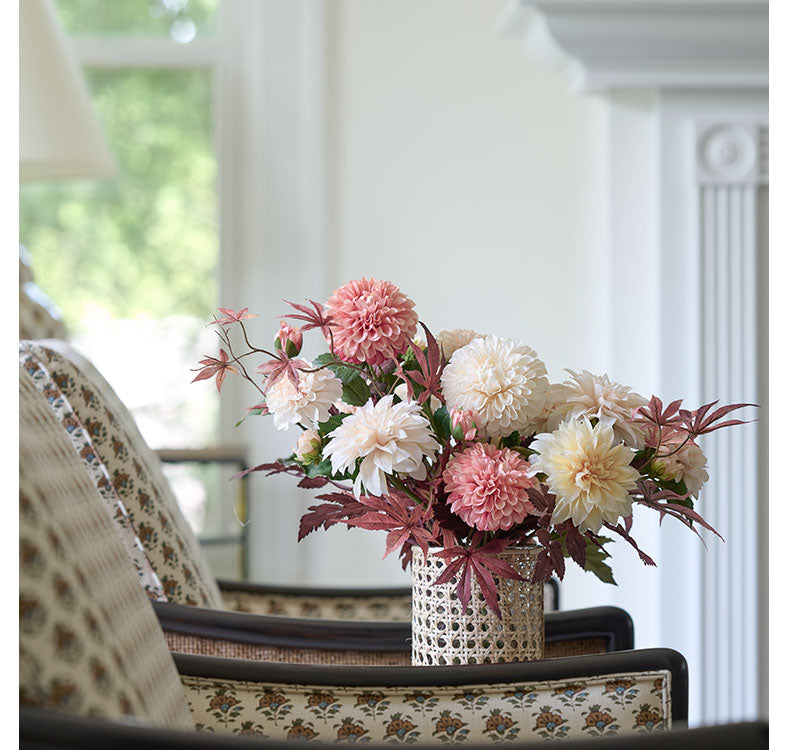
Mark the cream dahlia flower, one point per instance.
(687, 465)
(388, 437)
(589, 471)
(454, 339)
(588, 395)
(500, 379)
(316, 393)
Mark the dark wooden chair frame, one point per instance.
(42, 729)
(610, 623)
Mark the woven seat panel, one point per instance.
(601, 706)
(135, 472)
(203, 646)
(89, 642)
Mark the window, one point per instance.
(132, 261)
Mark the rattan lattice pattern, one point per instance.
(444, 634)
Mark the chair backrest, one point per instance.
(595, 630)
(390, 605)
(627, 692)
(133, 469)
(89, 642)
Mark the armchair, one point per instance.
(90, 646)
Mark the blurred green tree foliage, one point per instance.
(141, 17)
(144, 243)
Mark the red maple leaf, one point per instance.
(280, 366)
(430, 369)
(232, 316)
(700, 422)
(212, 366)
(340, 507)
(483, 563)
(402, 518)
(315, 318)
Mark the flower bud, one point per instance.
(464, 423)
(288, 338)
(308, 447)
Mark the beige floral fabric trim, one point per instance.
(368, 608)
(135, 474)
(601, 706)
(89, 642)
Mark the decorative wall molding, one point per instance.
(600, 45)
(730, 184)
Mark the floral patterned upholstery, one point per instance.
(600, 706)
(83, 445)
(132, 468)
(368, 607)
(89, 643)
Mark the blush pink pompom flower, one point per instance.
(372, 321)
(487, 487)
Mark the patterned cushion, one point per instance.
(600, 706)
(134, 471)
(96, 469)
(89, 642)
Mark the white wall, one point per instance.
(468, 175)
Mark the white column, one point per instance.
(686, 86)
(731, 181)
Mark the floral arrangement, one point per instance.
(459, 441)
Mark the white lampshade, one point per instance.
(59, 135)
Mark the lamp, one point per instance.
(59, 135)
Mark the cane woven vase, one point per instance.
(442, 633)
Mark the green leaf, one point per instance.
(331, 424)
(443, 424)
(343, 372)
(595, 561)
(323, 469)
(250, 413)
(511, 440)
(355, 392)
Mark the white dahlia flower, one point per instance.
(388, 437)
(589, 471)
(687, 465)
(316, 393)
(500, 379)
(588, 395)
(454, 339)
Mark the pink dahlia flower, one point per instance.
(372, 321)
(487, 487)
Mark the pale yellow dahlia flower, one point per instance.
(310, 403)
(389, 438)
(500, 379)
(588, 395)
(589, 471)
